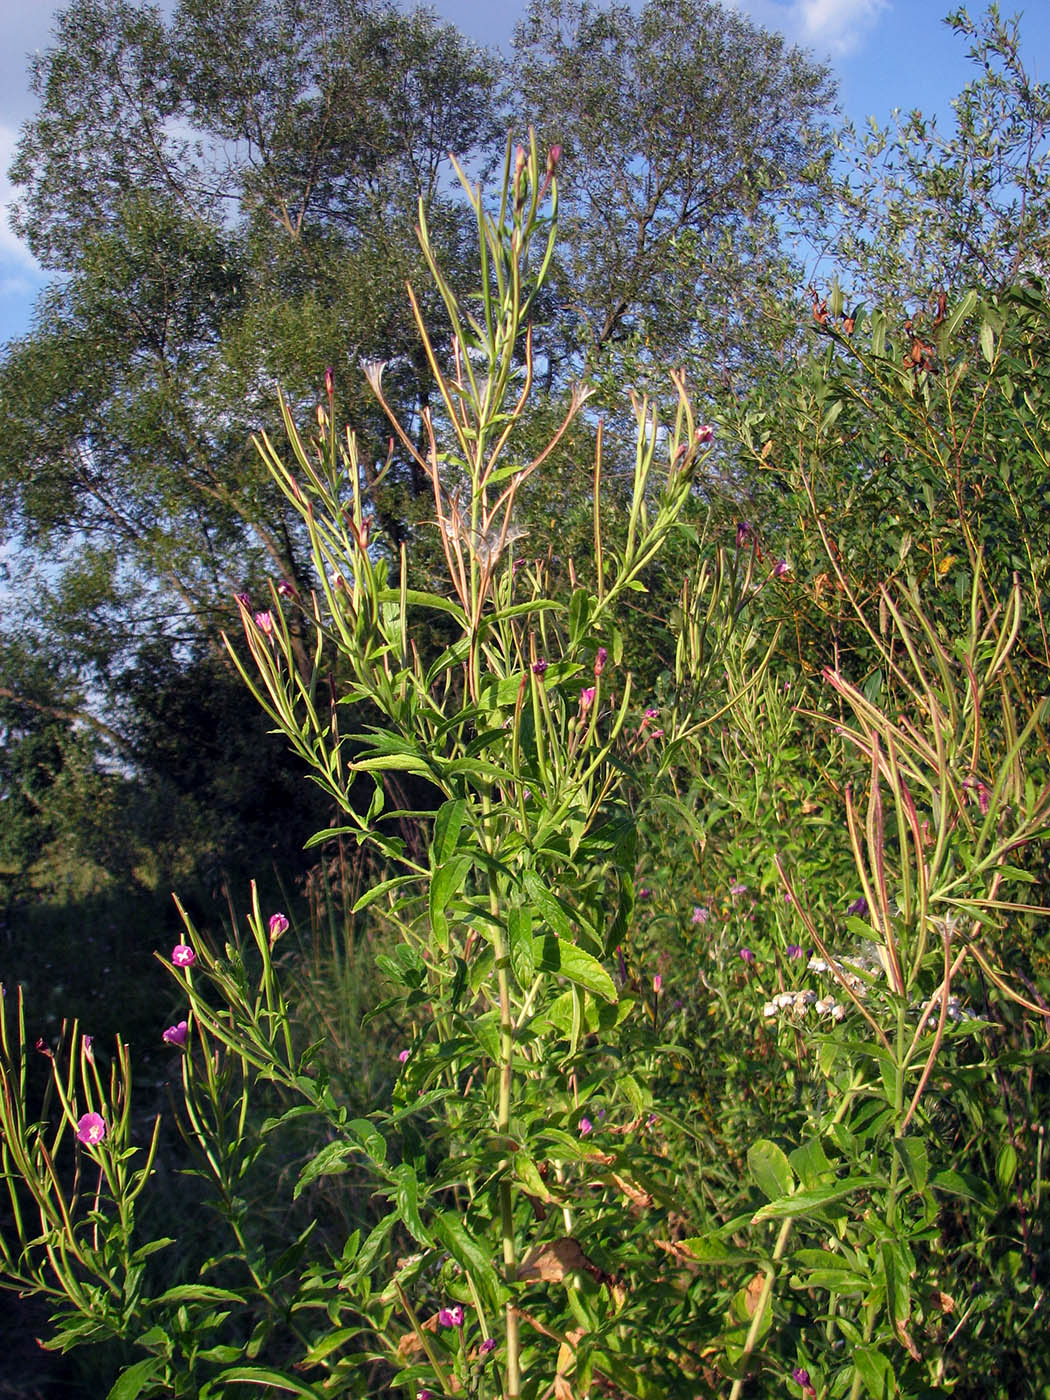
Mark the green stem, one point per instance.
(763, 1300)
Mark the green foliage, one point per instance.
(688, 135)
(670, 1015)
(920, 209)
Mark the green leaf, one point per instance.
(896, 1272)
(962, 1184)
(257, 1375)
(810, 1162)
(555, 955)
(328, 1344)
(547, 906)
(770, 1169)
(447, 825)
(1006, 1165)
(804, 1203)
(875, 1371)
(198, 1293)
(987, 342)
(962, 308)
(450, 1231)
(130, 1383)
(407, 1202)
(579, 615)
(330, 1161)
(519, 935)
(708, 1249)
(914, 1160)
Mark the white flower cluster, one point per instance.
(847, 970)
(955, 1013)
(795, 1003)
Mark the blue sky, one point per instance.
(886, 54)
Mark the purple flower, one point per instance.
(793, 950)
(780, 568)
(489, 1344)
(801, 1377)
(644, 892)
(538, 667)
(403, 1055)
(984, 797)
(586, 699)
(747, 955)
(176, 1035)
(859, 907)
(586, 1126)
(245, 599)
(91, 1128)
(286, 588)
(599, 661)
(182, 955)
(700, 914)
(278, 925)
(424, 1394)
(86, 1043)
(652, 714)
(451, 1317)
(743, 533)
(264, 622)
(704, 435)
(734, 890)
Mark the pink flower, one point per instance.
(704, 435)
(658, 983)
(652, 714)
(599, 661)
(286, 588)
(586, 1126)
(743, 533)
(451, 1317)
(278, 925)
(734, 890)
(586, 699)
(86, 1042)
(182, 955)
(553, 157)
(489, 1344)
(176, 1035)
(264, 622)
(700, 914)
(329, 381)
(91, 1128)
(793, 950)
(747, 955)
(780, 568)
(403, 1055)
(424, 1394)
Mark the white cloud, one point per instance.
(832, 27)
(13, 252)
(839, 25)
